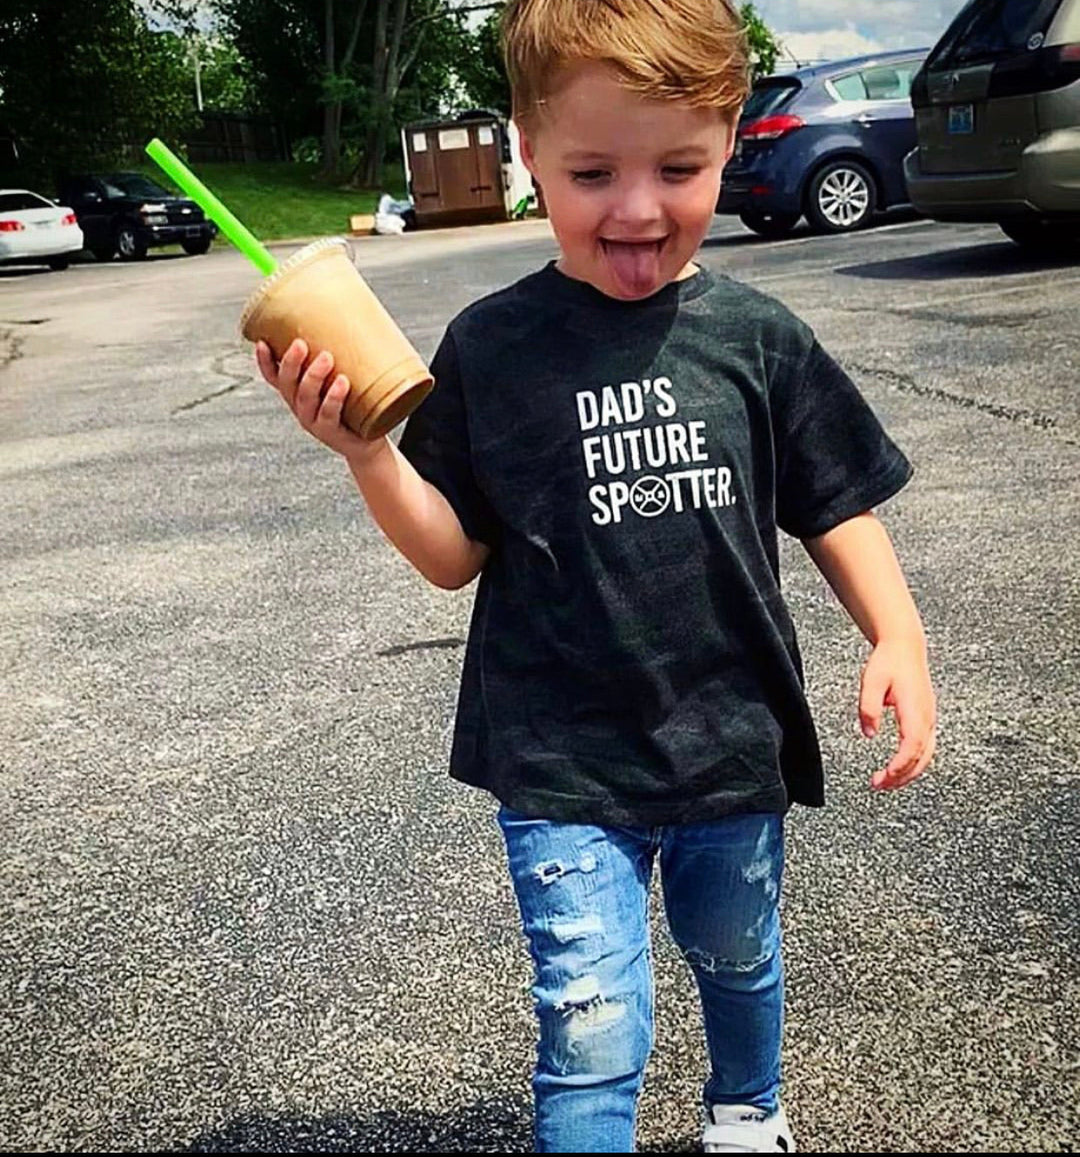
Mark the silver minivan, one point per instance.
(997, 117)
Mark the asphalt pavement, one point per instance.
(242, 906)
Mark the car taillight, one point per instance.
(11, 226)
(771, 128)
(70, 219)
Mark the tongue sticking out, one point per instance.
(636, 266)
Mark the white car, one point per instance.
(37, 231)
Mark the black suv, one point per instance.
(127, 213)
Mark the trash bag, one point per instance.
(392, 217)
(389, 224)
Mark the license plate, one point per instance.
(962, 118)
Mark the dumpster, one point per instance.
(459, 171)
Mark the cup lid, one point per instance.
(300, 257)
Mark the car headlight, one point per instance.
(153, 214)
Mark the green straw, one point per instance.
(237, 233)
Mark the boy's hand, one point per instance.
(316, 405)
(896, 675)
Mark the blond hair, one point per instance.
(693, 51)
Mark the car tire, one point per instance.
(775, 226)
(1043, 238)
(198, 247)
(128, 243)
(59, 264)
(841, 197)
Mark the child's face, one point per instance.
(630, 184)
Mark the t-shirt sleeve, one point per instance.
(833, 458)
(436, 441)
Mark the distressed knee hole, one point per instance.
(551, 870)
(584, 1009)
(568, 930)
(707, 962)
(596, 1036)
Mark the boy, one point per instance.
(611, 444)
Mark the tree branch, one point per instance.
(328, 46)
(446, 10)
(411, 56)
(346, 60)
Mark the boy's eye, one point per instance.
(588, 176)
(681, 172)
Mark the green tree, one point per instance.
(83, 85)
(481, 69)
(343, 70)
(225, 78)
(280, 41)
(764, 47)
(482, 72)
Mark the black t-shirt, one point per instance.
(630, 659)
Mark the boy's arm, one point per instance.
(411, 512)
(416, 517)
(859, 563)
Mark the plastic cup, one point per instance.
(318, 295)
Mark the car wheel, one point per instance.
(59, 263)
(1044, 238)
(197, 247)
(128, 244)
(772, 225)
(841, 198)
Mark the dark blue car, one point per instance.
(826, 142)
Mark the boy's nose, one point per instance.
(639, 206)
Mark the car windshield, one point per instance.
(13, 202)
(987, 30)
(135, 185)
(768, 97)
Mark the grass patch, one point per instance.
(279, 200)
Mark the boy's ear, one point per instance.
(732, 127)
(528, 155)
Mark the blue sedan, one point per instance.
(828, 142)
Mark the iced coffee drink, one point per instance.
(319, 296)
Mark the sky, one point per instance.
(832, 29)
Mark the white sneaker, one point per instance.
(744, 1129)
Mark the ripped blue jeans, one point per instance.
(583, 895)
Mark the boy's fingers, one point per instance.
(334, 402)
(872, 700)
(908, 764)
(268, 365)
(309, 392)
(292, 362)
(901, 768)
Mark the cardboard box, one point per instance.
(362, 223)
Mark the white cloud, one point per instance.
(833, 29)
(831, 44)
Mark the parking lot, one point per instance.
(243, 907)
